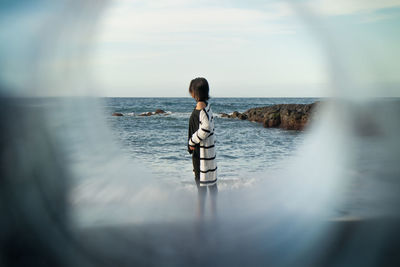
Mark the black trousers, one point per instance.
(196, 166)
(196, 169)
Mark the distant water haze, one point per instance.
(82, 188)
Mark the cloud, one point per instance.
(371, 18)
(177, 22)
(183, 21)
(349, 7)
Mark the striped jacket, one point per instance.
(205, 137)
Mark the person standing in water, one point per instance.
(201, 144)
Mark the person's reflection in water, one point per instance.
(201, 199)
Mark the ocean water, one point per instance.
(244, 148)
(116, 164)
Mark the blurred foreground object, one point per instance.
(349, 165)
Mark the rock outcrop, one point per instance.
(145, 114)
(286, 116)
(158, 111)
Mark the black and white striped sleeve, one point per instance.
(204, 129)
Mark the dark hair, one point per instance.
(200, 89)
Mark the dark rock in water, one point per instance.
(146, 114)
(160, 111)
(235, 115)
(224, 115)
(117, 114)
(242, 116)
(272, 120)
(286, 116)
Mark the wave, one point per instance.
(143, 114)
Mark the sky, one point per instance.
(243, 48)
(255, 48)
